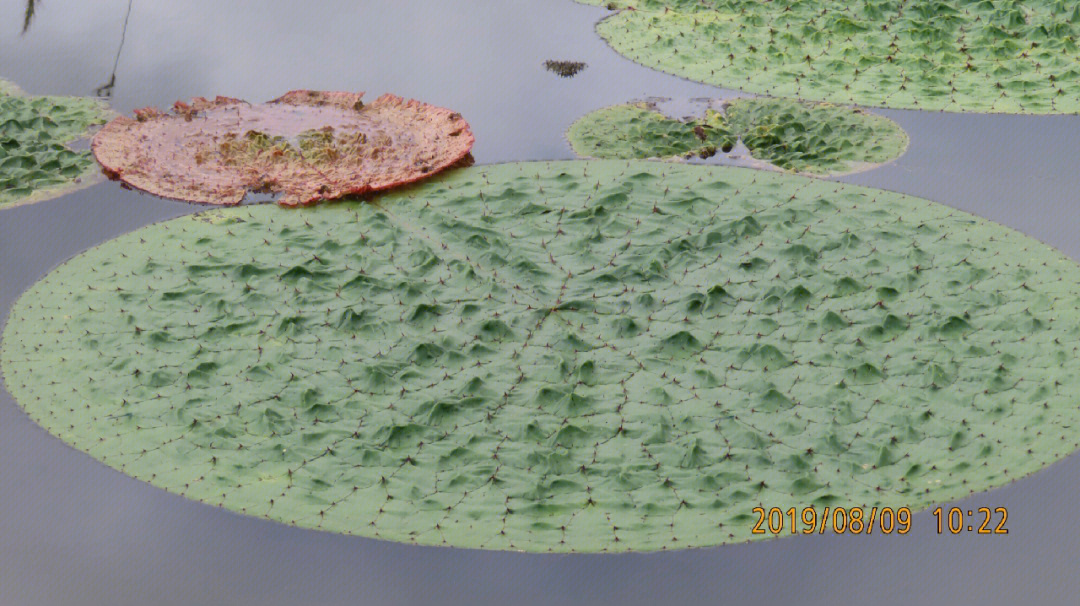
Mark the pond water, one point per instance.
(75, 531)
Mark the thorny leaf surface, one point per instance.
(586, 356)
(988, 56)
(808, 138)
(35, 160)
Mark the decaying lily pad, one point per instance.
(809, 138)
(307, 146)
(35, 160)
(574, 356)
(952, 55)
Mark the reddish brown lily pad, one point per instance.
(306, 145)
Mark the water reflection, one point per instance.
(28, 17)
(106, 90)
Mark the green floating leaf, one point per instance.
(35, 162)
(576, 356)
(952, 55)
(637, 130)
(809, 138)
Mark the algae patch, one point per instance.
(574, 356)
(951, 55)
(35, 160)
(808, 138)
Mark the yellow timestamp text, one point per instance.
(977, 521)
(838, 520)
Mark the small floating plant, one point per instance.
(808, 138)
(638, 130)
(564, 69)
(305, 146)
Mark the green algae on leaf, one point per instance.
(306, 145)
(575, 356)
(952, 55)
(808, 138)
(637, 130)
(35, 160)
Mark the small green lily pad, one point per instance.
(952, 55)
(573, 356)
(638, 131)
(808, 138)
(35, 160)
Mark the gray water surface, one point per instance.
(73, 531)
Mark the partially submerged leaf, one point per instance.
(814, 138)
(574, 356)
(804, 137)
(306, 145)
(638, 130)
(35, 160)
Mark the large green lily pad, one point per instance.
(586, 356)
(809, 138)
(953, 55)
(35, 160)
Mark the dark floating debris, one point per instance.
(565, 69)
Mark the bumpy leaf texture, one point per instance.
(35, 160)
(953, 55)
(809, 138)
(638, 130)
(306, 145)
(575, 356)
